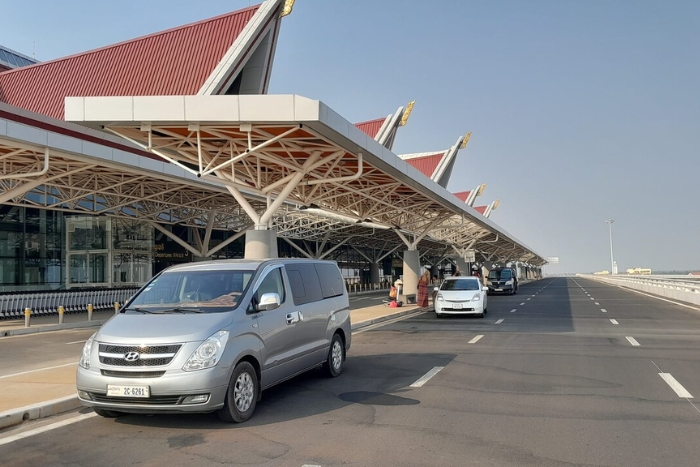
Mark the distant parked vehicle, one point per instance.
(502, 280)
(460, 296)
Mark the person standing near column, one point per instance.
(423, 284)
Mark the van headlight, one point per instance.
(208, 353)
(509, 282)
(87, 350)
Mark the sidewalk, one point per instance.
(42, 393)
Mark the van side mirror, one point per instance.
(268, 301)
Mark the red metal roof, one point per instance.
(481, 209)
(172, 62)
(463, 195)
(426, 164)
(371, 127)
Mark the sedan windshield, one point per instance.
(460, 284)
(192, 291)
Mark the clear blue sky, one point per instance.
(580, 110)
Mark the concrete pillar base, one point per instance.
(261, 244)
(411, 273)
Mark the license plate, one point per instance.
(498, 290)
(457, 306)
(127, 391)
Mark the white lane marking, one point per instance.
(676, 386)
(534, 295)
(424, 379)
(597, 303)
(633, 341)
(603, 310)
(592, 298)
(522, 304)
(499, 321)
(38, 369)
(614, 321)
(513, 310)
(76, 342)
(44, 429)
(476, 339)
(529, 299)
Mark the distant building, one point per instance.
(9, 59)
(694, 273)
(602, 273)
(639, 271)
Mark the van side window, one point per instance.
(332, 284)
(271, 284)
(304, 283)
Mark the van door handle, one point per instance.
(292, 317)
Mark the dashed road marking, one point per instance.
(597, 303)
(676, 386)
(632, 341)
(476, 339)
(614, 321)
(603, 310)
(513, 310)
(522, 304)
(424, 379)
(499, 321)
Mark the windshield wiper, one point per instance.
(182, 309)
(141, 310)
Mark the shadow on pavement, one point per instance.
(376, 380)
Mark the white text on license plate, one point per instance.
(127, 391)
(457, 306)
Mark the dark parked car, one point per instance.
(502, 280)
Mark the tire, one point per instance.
(336, 356)
(481, 315)
(242, 394)
(439, 315)
(106, 413)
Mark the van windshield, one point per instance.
(200, 291)
(500, 274)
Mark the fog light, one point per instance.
(84, 395)
(198, 399)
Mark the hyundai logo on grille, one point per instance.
(132, 356)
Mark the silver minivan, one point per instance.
(211, 336)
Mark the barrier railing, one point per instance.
(13, 306)
(358, 287)
(686, 290)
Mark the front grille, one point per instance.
(121, 362)
(153, 400)
(133, 374)
(147, 349)
(115, 355)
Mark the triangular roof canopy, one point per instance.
(371, 127)
(437, 165)
(383, 130)
(178, 61)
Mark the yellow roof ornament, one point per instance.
(406, 113)
(287, 8)
(465, 140)
(481, 189)
(495, 204)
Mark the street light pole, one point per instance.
(612, 260)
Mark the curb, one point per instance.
(364, 324)
(52, 327)
(35, 411)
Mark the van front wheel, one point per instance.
(241, 396)
(336, 356)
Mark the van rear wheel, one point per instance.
(241, 396)
(336, 356)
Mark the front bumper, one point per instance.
(505, 289)
(168, 393)
(473, 308)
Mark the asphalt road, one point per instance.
(555, 383)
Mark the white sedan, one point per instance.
(461, 296)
